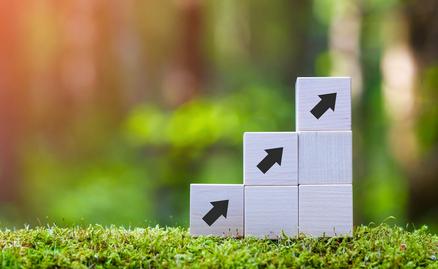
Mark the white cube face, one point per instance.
(216, 209)
(323, 103)
(271, 211)
(326, 210)
(325, 158)
(270, 158)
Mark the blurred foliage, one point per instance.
(205, 122)
(123, 104)
(154, 153)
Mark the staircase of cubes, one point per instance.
(294, 182)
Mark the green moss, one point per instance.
(97, 247)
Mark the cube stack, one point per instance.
(294, 182)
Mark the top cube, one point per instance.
(323, 103)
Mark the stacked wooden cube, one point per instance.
(294, 182)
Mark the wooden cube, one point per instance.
(325, 158)
(216, 209)
(271, 211)
(270, 158)
(323, 103)
(326, 210)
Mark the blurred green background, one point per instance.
(110, 109)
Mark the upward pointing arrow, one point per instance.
(220, 208)
(274, 156)
(327, 101)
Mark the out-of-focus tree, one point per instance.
(382, 186)
(423, 39)
(12, 99)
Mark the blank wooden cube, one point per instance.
(270, 158)
(325, 158)
(326, 210)
(323, 103)
(216, 209)
(271, 211)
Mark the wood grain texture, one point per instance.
(326, 210)
(255, 144)
(325, 158)
(270, 211)
(308, 89)
(200, 197)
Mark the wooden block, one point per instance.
(325, 158)
(270, 158)
(271, 211)
(326, 210)
(323, 103)
(216, 209)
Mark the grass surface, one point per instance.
(96, 246)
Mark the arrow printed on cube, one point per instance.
(220, 208)
(327, 101)
(274, 156)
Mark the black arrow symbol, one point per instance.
(327, 101)
(274, 156)
(220, 208)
